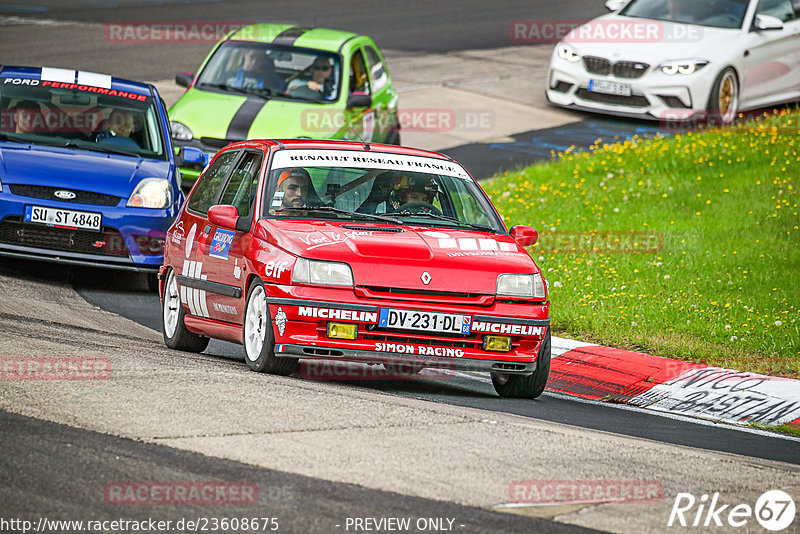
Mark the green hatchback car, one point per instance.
(279, 81)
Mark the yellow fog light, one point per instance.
(497, 343)
(342, 330)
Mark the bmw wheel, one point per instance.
(723, 103)
(259, 340)
(526, 386)
(176, 335)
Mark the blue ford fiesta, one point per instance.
(87, 171)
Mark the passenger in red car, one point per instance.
(413, 189)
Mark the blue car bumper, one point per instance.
(130, 238)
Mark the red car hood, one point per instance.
(396, 256)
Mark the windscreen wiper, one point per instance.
(331, 209)
(445, 218)
(241, 90)
(12, 137)
(100, 148)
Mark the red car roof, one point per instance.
(271, 144)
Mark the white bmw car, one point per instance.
(680, 59)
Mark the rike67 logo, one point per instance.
(774, 510)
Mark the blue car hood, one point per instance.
(81, 170)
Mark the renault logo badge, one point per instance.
(426, 278)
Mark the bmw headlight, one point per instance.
(682, 67)
(180, 131)
(328, 273)
(153, 193)
(568, 53)
(521, 285)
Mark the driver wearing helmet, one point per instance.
(417, 190)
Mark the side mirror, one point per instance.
(223, 215)
(195, 156)
(767, 23)
(524, 235)
(356, 100)
(616, 5)
(184, 79)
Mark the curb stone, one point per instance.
(607, 374)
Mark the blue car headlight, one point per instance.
(154, 193)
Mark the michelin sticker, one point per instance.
(280, 321)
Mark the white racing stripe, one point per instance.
(50, 74)
(188, 293)
(94, 79)
(561, 345)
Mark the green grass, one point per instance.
(793, 430)
(709, 223)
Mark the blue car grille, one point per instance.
(14, 231)
(47, 192)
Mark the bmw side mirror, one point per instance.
(356, 100)
(767, 23)
(524, 235)
(616, 5)
(184, 79)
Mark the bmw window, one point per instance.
(712, 13)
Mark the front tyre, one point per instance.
(723, 103)
(526, 386)
(176, 335)
(259, 340)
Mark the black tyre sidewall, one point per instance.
(527, 386)
(182, 339)
(267, 361)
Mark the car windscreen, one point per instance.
(85, 118)
(273, 71)
(381, 195)
(712, 13)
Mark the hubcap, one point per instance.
(171, 305)
(255, 326)
(728, 98)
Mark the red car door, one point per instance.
(192, 244)
(225, 248)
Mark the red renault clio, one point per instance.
(359, 252)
